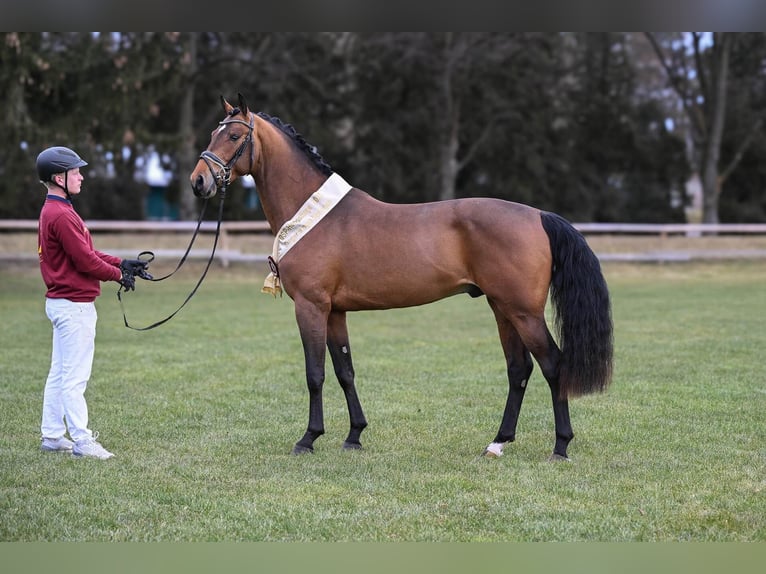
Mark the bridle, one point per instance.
(222, 180)
(223, 176)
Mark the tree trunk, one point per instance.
(711, 187)
(188, 154)
(449, 165)
(706, 109)
(449, 140)
(710, 193)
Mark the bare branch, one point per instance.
(732, 165)
(483, 136)
(701, 73)
(692, 113)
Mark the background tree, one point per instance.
(624, 163)
(19, 78)
(95, 93)
(744, 139)
(699, 74)
(434, 107)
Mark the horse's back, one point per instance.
(437, 220)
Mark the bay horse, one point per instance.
(364, 254)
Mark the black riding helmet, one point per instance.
(55, 160)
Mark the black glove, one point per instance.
(135, 267)
(128, 281)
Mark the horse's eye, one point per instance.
(234, 137)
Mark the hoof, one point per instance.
(494, 450)
(555, 457)
(298, 449)
(352, 445)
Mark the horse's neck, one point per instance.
(284, 178)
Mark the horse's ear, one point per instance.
(243, 104)
(227, 107)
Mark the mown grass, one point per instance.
(203, 411)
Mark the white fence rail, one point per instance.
(223, 253)
(688, 229)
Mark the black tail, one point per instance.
(583, 312)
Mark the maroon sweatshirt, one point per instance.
(70, 267)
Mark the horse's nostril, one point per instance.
(198, 185)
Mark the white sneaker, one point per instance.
(91, 448)
(61, 444)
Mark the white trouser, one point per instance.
(74, 338)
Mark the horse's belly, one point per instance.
(396, 291)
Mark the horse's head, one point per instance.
(225, 159)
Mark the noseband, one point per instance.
(223, 176)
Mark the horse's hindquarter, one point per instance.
(368, 254)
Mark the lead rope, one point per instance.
(222, 194)
(188, 249)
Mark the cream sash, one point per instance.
(310, 213)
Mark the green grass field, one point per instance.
(203, 411)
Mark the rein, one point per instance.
(180, 263)
(222, 179)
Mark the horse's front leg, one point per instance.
(312, 323)
(340, 352)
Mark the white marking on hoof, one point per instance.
(495, 449)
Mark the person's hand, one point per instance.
(136, 268)
(128, 281)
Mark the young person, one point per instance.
(72, 271)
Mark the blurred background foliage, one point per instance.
(625, 127)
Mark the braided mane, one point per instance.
(310, 150)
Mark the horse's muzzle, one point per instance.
(203, 187)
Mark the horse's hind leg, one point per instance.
(519, 368)
(340, 352)
(537, 338)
